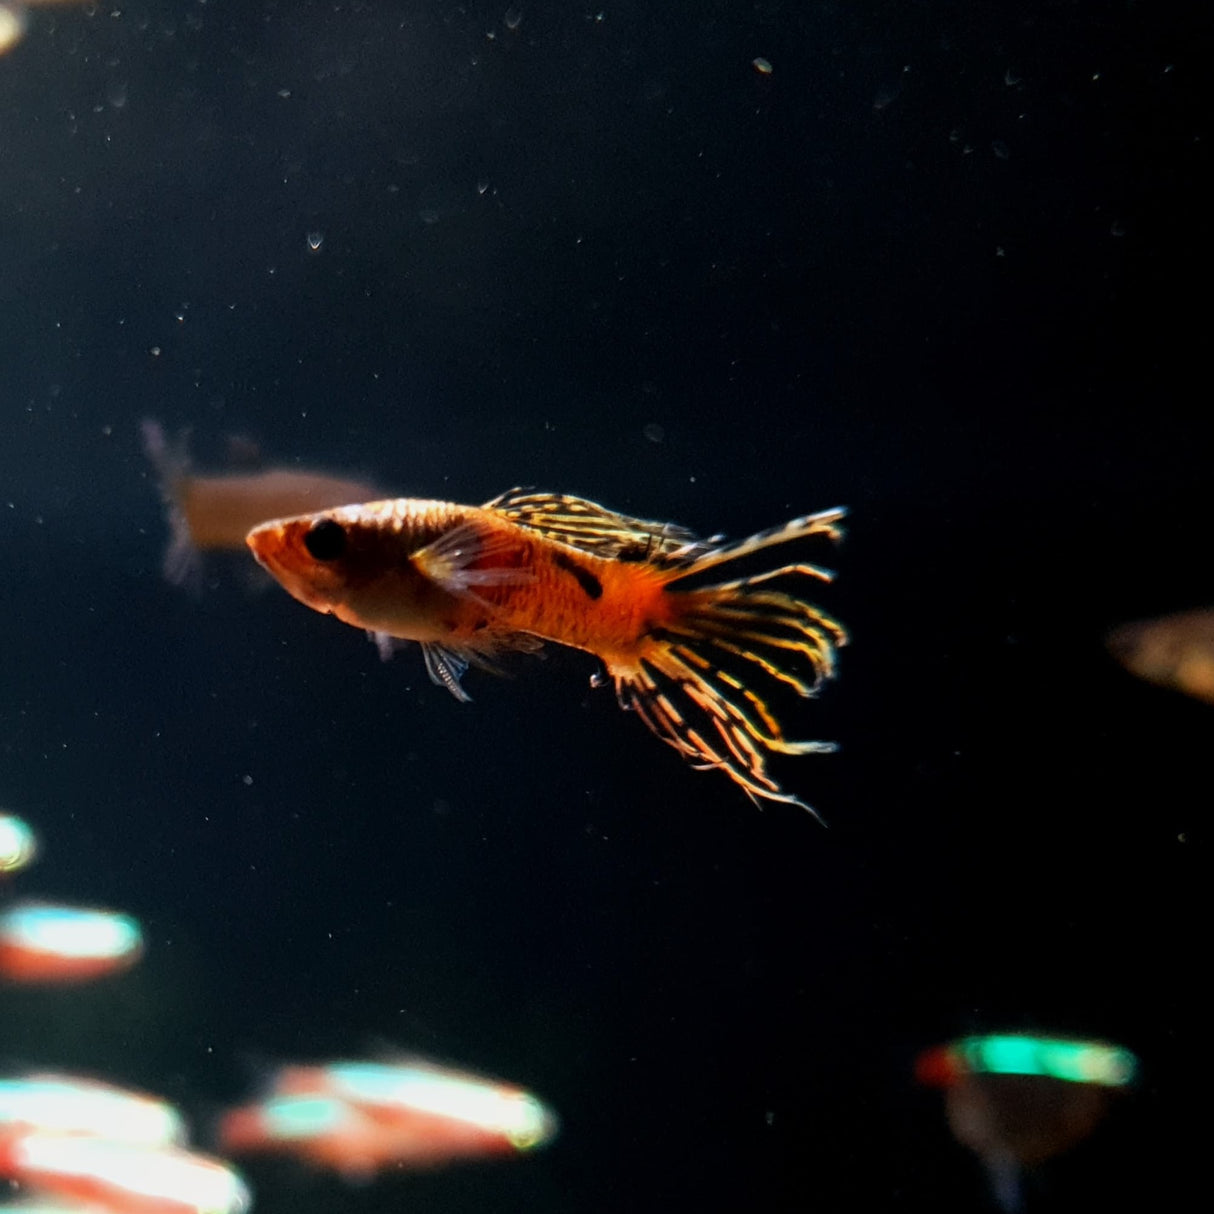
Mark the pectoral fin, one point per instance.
(466, 557)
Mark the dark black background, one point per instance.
(948, 265)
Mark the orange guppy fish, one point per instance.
(472, 582)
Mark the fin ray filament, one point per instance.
(690, 682)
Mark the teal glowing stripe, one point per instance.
(302, 1117)
(1055, 1057)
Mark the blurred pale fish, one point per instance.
(47, 1205)
(122, 1177)
(46, 942)
(72, 1104)
(357, 1118)
(1175, 651)
(414, 1088)
(18, 844)
(14, 18)
(215, 511)
(13, 21)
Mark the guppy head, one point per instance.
(307, 555)
(354, 562)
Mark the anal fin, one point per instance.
(446, 667)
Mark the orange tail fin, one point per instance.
(690, 683)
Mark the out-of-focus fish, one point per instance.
(487, 1114)
(18, 844)
(1175, 651)
(47, 942)
(471, 582)
(47, 1205)
(122, 1177)
(325, 1133)
(1017, 1100)
(70, 1104)
(217, 511)
(357, 1118)
(14, 19)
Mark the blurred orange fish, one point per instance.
(470, 582)
(357, 1118)
(1176, 651)
(322, 1132)
(217, 511)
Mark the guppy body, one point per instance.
(469, 582)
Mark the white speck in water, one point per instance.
(513, 18)
(315, 240)
(654, 432)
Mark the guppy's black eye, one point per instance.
(326, 540)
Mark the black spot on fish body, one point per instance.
(591, 586)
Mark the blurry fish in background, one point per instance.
(44, 942)
(1175, 651)
(47, 1206)
(215, 511)
(358, 1118)
(15, 18)
(18, 845)
(72, 1104)
(13, 22)
(1017, 1100)
(107, 1175)
(473, 582)
(324, 1133)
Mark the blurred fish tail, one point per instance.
(182, 565)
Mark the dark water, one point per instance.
(947, 265)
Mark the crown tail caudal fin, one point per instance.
(702, 680)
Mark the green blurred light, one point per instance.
(1054, 1057)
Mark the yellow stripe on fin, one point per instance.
(594, 529)
(826, 522)
(691, 682)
